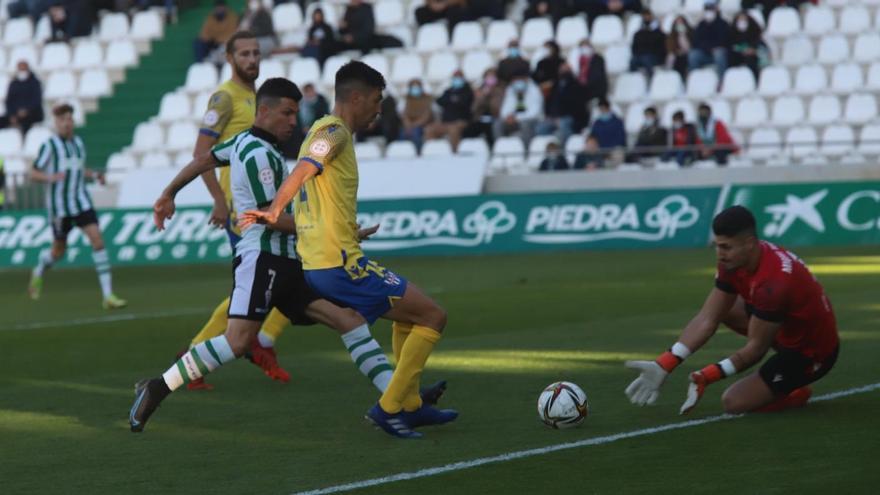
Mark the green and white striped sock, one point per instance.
(102, 266)
(201, 359)
(368, 356)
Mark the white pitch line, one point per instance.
(458, 466)
(37, 325)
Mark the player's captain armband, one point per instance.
(217, 115)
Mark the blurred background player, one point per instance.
(61, 165)
(769, 295)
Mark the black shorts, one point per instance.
(262, 281)
(61, 226)
(788, 370)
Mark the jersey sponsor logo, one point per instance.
(267, 177)
(211, 118)
(784, 215)
(319, 147)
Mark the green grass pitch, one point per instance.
(516, 324)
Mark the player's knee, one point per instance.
(437, 318)
(733, 404)
(98, 245)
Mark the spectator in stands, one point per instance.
(521, 109)
(608, 128)
(684, 141)
(513, 65)
(766, 6)
(565, 108)
(58, 23)
(595, 8)
(312, 107)
(678, 46)
(258, 20)
(487, 105)
(218, 27)
(556, 9)
(554, 159)
(591, 71)
(456, 111)
(321, 42)
(652, 138)
(746, 45)
(648, 46)
(591, 158)
(710, 41)
(451, 11)
(357, 29)
(417, 113)
(24, 100)
(387, 126)
(547, 71)
(714, 139)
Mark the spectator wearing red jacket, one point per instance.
(714, 139)
(684, 141)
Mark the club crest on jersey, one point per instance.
(266, 176)
(211, 118)
(319, 147)
(391, 278)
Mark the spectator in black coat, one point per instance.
(590, 71)
(648, 46)
(565, 109)
(746, 43)
(710, 41)
(557, 9)
(652, 138)
(24, 100)
(514, 65)
(321, 42)
(678, 46)
(456, 111)
(554, 159)
(547, 71)
(357, 29)
(591, 158)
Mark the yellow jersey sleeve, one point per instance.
(218, 114)
(324, 145)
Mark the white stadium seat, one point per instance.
(467, 36)
(201, 77)
(61, 84)
(873, 81)
(113, 27)
(330, 15)
(331, 65)
(607, 30)
(721, 110)
(693, 9)
(120, 162)
(702, 83)
(788, 110)
(181, 136)
(147, 25)
(475, 64)
(400, 149)
(810, 79)
(738, 82)
(508, 153)
(10, 142)
(270, 68)
(661, 8)
(801, 141)
(367, 151)
(635, 116)
(570, 31)
(833, 49)
(797, 50)
(437, 147)
(36, 136)
(867, 48)
(837, 140)
(16, 166)
(441, 65)
(2, 65)
(473, 146)
(402, 32)
(860, 108)
(616, 58)
(88, 54)
(764, 143)
(536, 32)
(388, 13)
(121, 54)
(200, 105)
(288, 17)
(537, 150)
(174, 107)
(632, 26)
(405, 67)
(18, 31)
(846, 78)
(686, 106)
(824, 109)
(94, 83)
(43, 30)
(305, 70)
(819, 20)
(432, 37)
(751, 112)
(783, 22)
(182, 159)
(774, 81)
(630, 87)
(55, 56)
(869, 140)
(27, 52)
(665, 85)
(499, 34)
(854, 19)
(377, 61)
(147, 137)
(155, 159)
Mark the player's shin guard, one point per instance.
(202, 359)
(368, 356)
(216, 325)
(102, 266)
(399, 333)
(403, 390)
(273, 326)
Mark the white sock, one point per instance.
(368, 356)
(102, 266)
(265, 339)
(202, 359)
(46, 262)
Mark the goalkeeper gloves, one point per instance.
(645, 389)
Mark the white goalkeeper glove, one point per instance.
(646, 388)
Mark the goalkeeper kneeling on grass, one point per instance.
(767, 294)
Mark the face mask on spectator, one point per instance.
(710, 15)
(22, 75)
(586, 51)
(650, 121)
(519, 85)
(704, 118)
(681, 28)
(677, 124)
(513, 52)
(415, 91)
(457, 82)
(742, 24)
(604, 115)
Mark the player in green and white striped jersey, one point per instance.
(61, 165)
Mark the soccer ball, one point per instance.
(562, 405)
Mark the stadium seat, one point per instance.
(174, 107)
(473, 146)
(738, 82)
(819, 20)
(574, 145)
(330, 15)
(635, 116)
(270, 68)
(824, 109)
(441, 65)
(437, 147)
(686, 106)
(810, 79)
(536, 32)
(788, 111)
(17, 31)
(631, 27)
(305, 70)
(873, 80)
(10, 142)
(181, 159)
(156, 159)
(661, 8)
(181, 136)
(405, 67)
(721, 110)
(499, 34)
(200, 105)
(607, 30)
(400, 149)
(801, 141)
(797, 51)
(846, 78)
(467, 36)
(201, 77)
(120, 162)
(402, 32)
(538, 149)
(331, 65)
(3, 63)
(121, 54)
(665, 85)
(507, 153)
(88, 54)
(693, 9)
(751, 112)
(388, 13)
(432, 37)
(147, 25)
(55, 56)
(367, 151)
(113, 27)
(27, 52)
(833, 49)
(854, 19)
(36, 136)
(764, 143)
(775, 80)
(570, 31)
(630, 87)
(43, 30)
(783, 22)
(377, 61)
(288, 17)
(860, 108)
(61, 84)
(702, 83)
(225, 73)
(475, 64)
(94, 83)
(869, 139)
(616, 58)
(867, 48)
(147, 136)
(837, 140)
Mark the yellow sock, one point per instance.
(405, 381)
(274, 324)
(399, 333)
(216, 324)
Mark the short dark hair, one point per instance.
(678, 115)
(651, 110)
(734, 221)
(357, 75)
(244, 34)
(704, 106)
(62, 109)
(276, 88)
(603, 102)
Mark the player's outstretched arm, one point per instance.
(164, 207)
(300, 175)
(40, 176)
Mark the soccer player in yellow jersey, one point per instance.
(231, 110)
(325, 183)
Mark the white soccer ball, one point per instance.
(562, 405)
